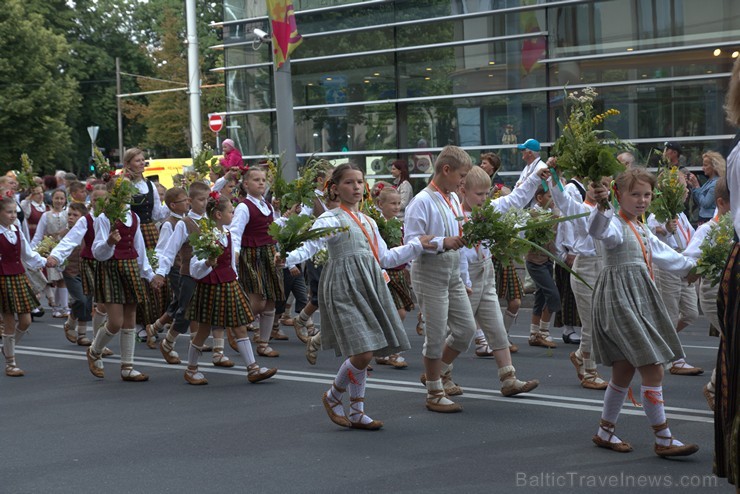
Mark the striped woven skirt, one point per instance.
(16, 295)
(508, 284)
(224, 305)
(568, 313)
(87, 273)
(150, 233)
(258, 273)
(400, 289)
(726, 417)
(118, 281)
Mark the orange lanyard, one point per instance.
(449, 204)
(683, 232)
(373, 242)
(716, 217)
(648, 258)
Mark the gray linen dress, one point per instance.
(357, 310)
(630, 321)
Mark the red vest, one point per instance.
(255, 232)
(33, 220)
(88, 239)
(223, 271)
(10, 256)
(125, 248)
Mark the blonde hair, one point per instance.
(455, 157)
(477, 178)
(717, 161)
(732, 100)
(130, 154)
(626, 180)
(385, 193)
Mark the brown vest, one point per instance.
(186, 251)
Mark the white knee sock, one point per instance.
(357, 380)
(128, 339)
(339, 386)
(545, 326)
(613, 400)
(245, 349)
(19, 335)
(98, 321)
(9, 347)
(266, 320)
(652, 403)
(534, 328)
(509, 319)
(101, 340)
(218, 345)
(194, 353)
(479, 333)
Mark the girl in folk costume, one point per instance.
(358, 317)
(54, 223)
(678, 296)
(726, 417)
(122, 263)
(34, 208)
(632, 329)
(16, 295)
(258, 274)
(148, 206)
(587, 264)
(219, 300)
(476, 270)
(78, 243)
(388, 200)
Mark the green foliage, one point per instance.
(25, 176)
(206, 241)
(296, 231)
(204, 162)
(669, 195)
(715, 249)
(390, 230)
(115, 204)
(151, 255)
(102, 165)
(46, 245)
(541, 232)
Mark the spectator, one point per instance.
(232, 156)
(61, 182)
(713, 166)
(531, 155)
(400, 172)
(627, 159)
(50, 185)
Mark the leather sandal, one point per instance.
(95, 363)
(300, 330)
(709, 396)
(286, 321)
(255, 373)
(107, 352)
(578, 364)
(515, 386)
(128, 373)
(672, 450)
(512, 347)
(434, 402)
(608, 427)
(312, 349)
(83, 340)
(481, 347)
(278, 335)
(685, 369)
(451, 388)
(12, 370)
(539, 339)
(169, 354)
(592, 380)
(195, 377)
(221, 360)
(420, 324)
(151, 336)
(264, 350)
(70, 333)
(396, 361)
(329, 403)
(373, 425)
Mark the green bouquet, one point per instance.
(206, 241)
(46, 245)
(715, 249)
(296, 231)
(115, 204)
(25, 176)
(670, 194)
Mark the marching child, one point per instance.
(358, 319)
(258, 274)
(476, 270)
(122, 263)
(219, 300)
(632, 329)
(16, 294)
(708, 293)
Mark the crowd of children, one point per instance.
(100, 268)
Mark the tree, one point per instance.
(36, 93)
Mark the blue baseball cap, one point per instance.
(531, 144)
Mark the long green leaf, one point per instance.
(554, 221)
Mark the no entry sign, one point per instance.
(216, 122)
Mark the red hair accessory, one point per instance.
(89, 187)
(8, 193)
(214, 195)
(380, 186)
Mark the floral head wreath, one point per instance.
(8, 193)
(214, 195)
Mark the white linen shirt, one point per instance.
(102, 251)
(29, 257)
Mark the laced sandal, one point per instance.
(168, 353)
(578, 364)
(396, 361)
(373, 425)
(95, 363)
(683, 368)
(255, 373)
(312, 349)
(195, 377)
(481, 347)
(330, 402)
(436, 399)
(300, 330)
(673, 449)
(151, 336)
(539, 339)
(592, 380)
(450, 387)
(83, 340)
(608, 427)
(12, 370)
(70, 333)
(311, 329)
(107, 352)
(264, 350)
(286, 321)
(129, 374)
(512, 347)
(420, 324)
(278, 335)
(232, 340)
(511, 386)
(221, 360)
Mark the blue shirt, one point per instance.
(704, 197)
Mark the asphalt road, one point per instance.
(65, 431)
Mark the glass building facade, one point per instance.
(380, 80)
